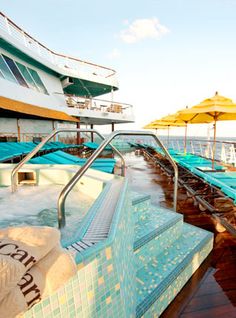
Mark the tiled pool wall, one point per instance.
(170, 293)
(140, 206)
(104, 285)
(157, 245)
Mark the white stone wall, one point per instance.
(8, 126)
(28, 128)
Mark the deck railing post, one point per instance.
(7, 25)
(178, 146)
(223, 156)
(200, 147)
(232, 155)
(192, 147)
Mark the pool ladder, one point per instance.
(70, 185)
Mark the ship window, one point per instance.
(38, 81)
(15, 71)
(5, 71)
(27, 76)
(18, 73)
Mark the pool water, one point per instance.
(37, 206)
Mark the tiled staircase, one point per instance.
(137, 270)
(167, 253)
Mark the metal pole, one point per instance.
(185, 140)
(168, 138)
(91, 126)
(66, 190)
(214, 145)
(18, 129)
(78, 139)
(112, 127)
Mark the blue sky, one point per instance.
(167, 53)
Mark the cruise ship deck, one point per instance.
(107, 236)
(211, 292)
(136, 274)
(209, 183)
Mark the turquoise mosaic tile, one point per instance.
(141, 206)
(140, 202)
(169, 294)
(157, 244)
(110, 281)
(156, 276)
(155, 230)
(104, 277)
(139, 197)
(155, 219)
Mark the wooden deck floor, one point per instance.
(212, 290)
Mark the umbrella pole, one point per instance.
(168, 137)
(185, 140)
(214, 145)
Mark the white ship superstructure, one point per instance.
(39, 88)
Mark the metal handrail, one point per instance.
(44, 141)
(66, 190)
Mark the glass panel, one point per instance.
(38, 81)
(5, 71)
(27, 76)
(15, 71)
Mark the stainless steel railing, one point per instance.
(44, 141)
(66, 190)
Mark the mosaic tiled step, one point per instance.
(160, 280)
(155, 230)
(138, 198)
(140, 202)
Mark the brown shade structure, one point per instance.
(210, 110)
(18, 109)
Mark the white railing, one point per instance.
(65, 62)
(225, 150)
(69, 138)
(99, 105)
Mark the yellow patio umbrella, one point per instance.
(180, 118)
(210, 110)
(171, 121)
(153, 125)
